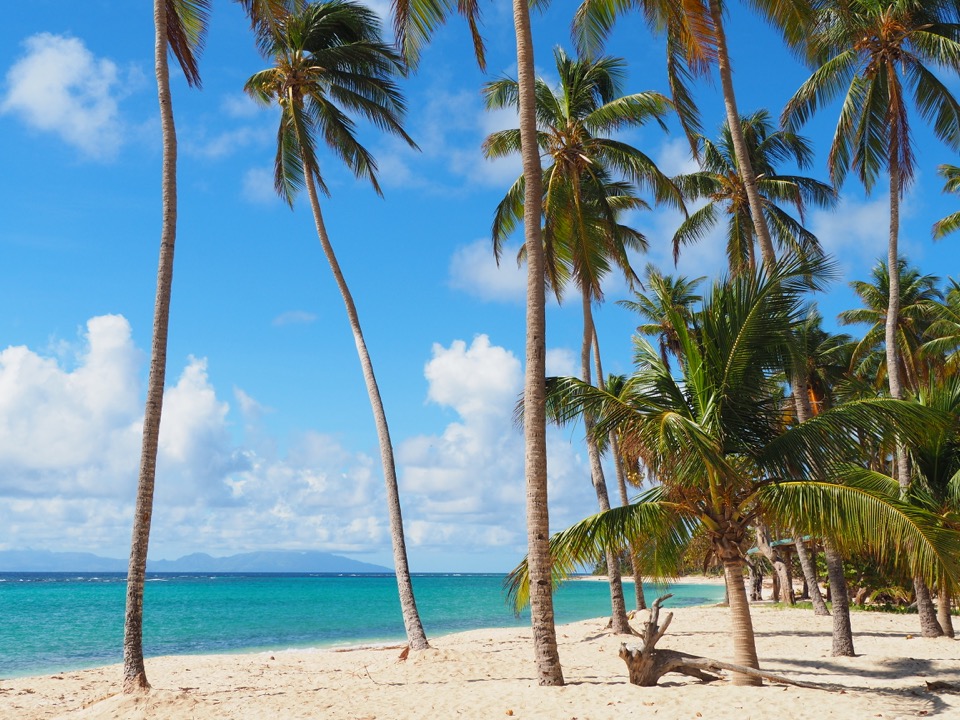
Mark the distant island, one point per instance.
(279, 561)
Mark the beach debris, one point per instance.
(646, 664)
(404, 654)
(941, 686)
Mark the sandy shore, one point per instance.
(489, 674)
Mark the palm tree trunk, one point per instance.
(929, 624)
(739, 144)
(804, 411)
(408, 605)
(549, 671)
(618, 608)
(744, 641)
(943, 612)
(839, 595)
(779, 566)
(929, 627)
(641, 600)
(134, 673)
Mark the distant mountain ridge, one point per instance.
(280, 561)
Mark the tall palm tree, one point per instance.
(715, 438)
(874, 52)
(903, 303)
(583, 240)
(328, 59)
(414, 22)
(179, 28)
(696, 41)
(720, 182)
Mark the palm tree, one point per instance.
(583, 240)
(949, 224)
(696, 41)
(666, 294)
(870, 50)
(903, 303)
(721, 184)
(919, 305)
(179, 28)
(715, 438)
(414, 21)
(328, 57)
(937, 462)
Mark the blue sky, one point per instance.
(267, 440)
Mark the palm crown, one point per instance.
(583, 194)
(721, 184)
(329, 60)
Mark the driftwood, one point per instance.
(646, 664)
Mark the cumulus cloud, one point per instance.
(59, 86)
(468, 481)
(474, 270)
(70, 429)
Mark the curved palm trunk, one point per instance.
(549, 671)
(943, 612)
(744, 641)
(929, 627)
(618, 609)
(640, 598)
(411, 618)
(739, 144)
(842, 632)
(134, 673)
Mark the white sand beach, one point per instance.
(489, 674)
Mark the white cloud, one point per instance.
(474, 270)
(70, 443)
(562, 362)
(674, 157)
(59, 86)
(69, 451)
(258, 186)
(468, 482)
(228, 142)
(856, 233)
(240, 105)
(294, 317)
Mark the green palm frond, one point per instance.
(661, 527)
(862, 514)
(187, 22)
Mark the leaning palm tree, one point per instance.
(414, 22)
(582, 237)
(696, 42)
(180, 29)
(721, 184)
(328, 59)
(715, 438)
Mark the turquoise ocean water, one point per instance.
(64, 621)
